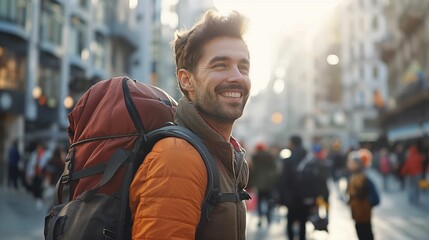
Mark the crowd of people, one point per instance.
(36, 170)
(299, 180)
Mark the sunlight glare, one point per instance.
(268, 20)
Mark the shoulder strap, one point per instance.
(307, 159)
(213, 185)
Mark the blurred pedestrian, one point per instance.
(289, 189)
(264, 175)
(363, 195)
(55, 166)
(385, 166)
(53, 171)
(399, 155)
(36, 173)
(14, 157)
(338, 162)
(413, 170)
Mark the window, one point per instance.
(83, 3)
(375, 23)
(370, 123)
(98, 50)
(12, 70)
(375, 73)
(362, 73)
(361, 50)
(52, 23)
(77, 37)
(101, 9)
(14, 11)
(49, 80)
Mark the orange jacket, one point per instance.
(167, 192)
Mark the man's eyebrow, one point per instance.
(219, 59)
(224, 58)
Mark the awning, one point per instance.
(406, 132)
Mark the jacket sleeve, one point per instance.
(373, 197)
(167, 192)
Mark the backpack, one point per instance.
(126, 119)
(311, 175)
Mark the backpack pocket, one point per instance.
(95, 218)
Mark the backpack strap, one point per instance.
(108, 169)
(230, 197)
(213, 186)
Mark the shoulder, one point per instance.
(175, 153)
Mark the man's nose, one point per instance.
(235, 74)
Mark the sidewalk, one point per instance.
(19, 217)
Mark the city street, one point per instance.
(393, 219)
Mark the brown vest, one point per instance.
(228, 219)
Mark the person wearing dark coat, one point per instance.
(289, 189)
(13, 165)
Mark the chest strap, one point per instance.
(230, 197)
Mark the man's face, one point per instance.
(221, 80)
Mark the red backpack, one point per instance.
(112, 128)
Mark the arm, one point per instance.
(167, 192)
(374, 198)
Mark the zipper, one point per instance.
(131, 107)
(239, 160)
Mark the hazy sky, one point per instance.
(268, 19)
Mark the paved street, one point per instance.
(393, 219)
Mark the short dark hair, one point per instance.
(296, 140)
(188, 44)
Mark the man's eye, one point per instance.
(244, 69)
(220, 65)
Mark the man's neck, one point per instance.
(224, 129)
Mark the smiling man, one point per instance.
(168, 190)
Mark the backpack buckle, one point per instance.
(65, 178)
(244, 195)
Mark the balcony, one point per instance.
(122, 32)
(413, 96)
(388, 48)
(413, 16)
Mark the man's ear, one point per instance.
(185, 80)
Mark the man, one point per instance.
(167, 192)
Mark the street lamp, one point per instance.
(37, 92)
(333, 59)
(68, 102)
(277, 118)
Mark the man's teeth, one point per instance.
(231, 94)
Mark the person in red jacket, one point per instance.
(413, 169)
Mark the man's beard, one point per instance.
(209, 105)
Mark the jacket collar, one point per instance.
(188, 116)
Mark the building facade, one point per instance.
(52, 51)
(364, 74)
(405, 51)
